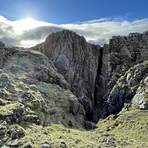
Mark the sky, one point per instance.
(29, 22)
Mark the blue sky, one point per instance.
(70, 11)
(28, 22)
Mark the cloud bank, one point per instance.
(29, 32)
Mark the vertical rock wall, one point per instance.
(77, 61)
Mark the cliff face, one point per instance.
(77, 61)
(92, 72)
(124, 70)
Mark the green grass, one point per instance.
(129, 130)
(130, 127)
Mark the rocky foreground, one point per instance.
(66, 92)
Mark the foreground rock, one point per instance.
(129, 90)
(32, 92)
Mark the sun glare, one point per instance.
(30, 23)
(29, 19)
(26, 24)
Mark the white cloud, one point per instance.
(28, 32)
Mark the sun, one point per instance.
(28, 19)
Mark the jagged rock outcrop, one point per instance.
(32, 91)
(126, 55)
(130, 89)
(77, 61)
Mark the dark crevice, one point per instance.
(93, 112)
(98, 77)
(99, 91)
(100, 62)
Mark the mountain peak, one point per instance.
(65, 35)
(76, 60)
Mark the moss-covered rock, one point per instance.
(33, 93)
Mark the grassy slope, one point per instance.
(128, 129)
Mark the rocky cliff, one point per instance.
(33, 92)
(92, 71)
(124, 70)
(50, 92)
(77, 61)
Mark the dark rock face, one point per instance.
(77, 61)
(124, 58)
(2, 45)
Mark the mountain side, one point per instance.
(33, 92)
(97, 70)
(41, 107)
(77, 61)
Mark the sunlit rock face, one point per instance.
(77, 61)
(33, 92)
